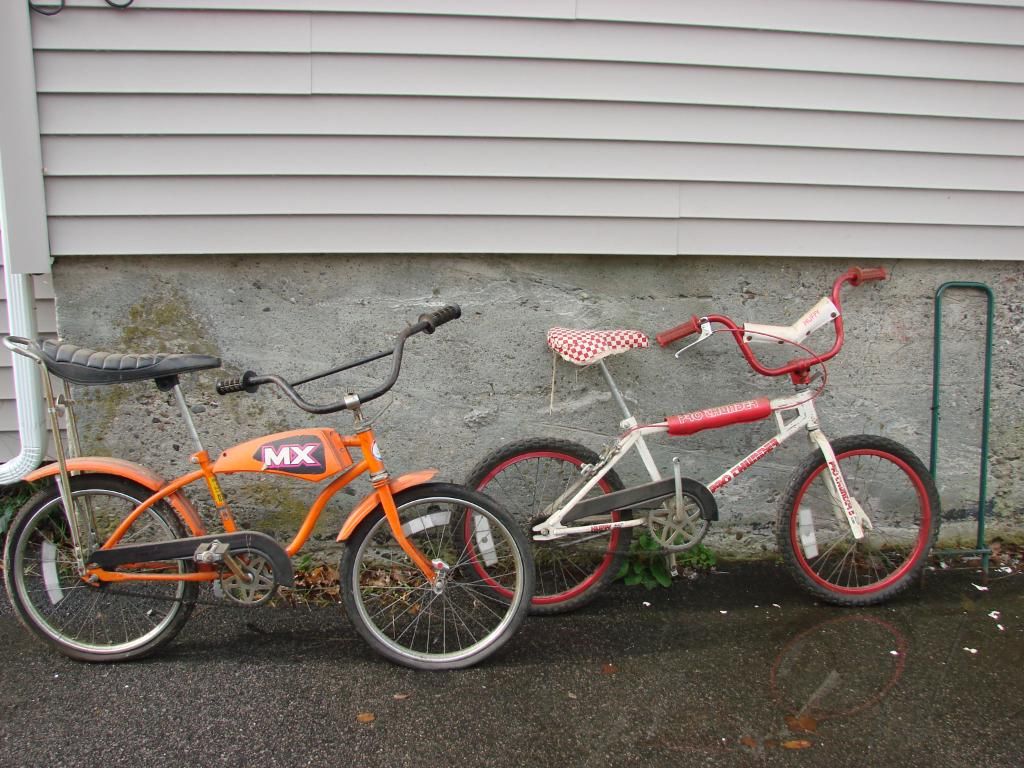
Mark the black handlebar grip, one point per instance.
(242, 384)
(439, 317)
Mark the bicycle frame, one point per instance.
(633, 438)
(240, 459)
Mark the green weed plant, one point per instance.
(648, 565)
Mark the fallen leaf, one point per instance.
(573, 696)
(366, 717)
(771, 744)
(401, 696)
(609, 669)
(801, 723)
(750, 741)
(796, 744)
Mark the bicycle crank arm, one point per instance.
(642, 494)
(185, 549)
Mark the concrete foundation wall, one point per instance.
(487, 378)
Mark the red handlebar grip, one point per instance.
(688, 328)
(867, 275)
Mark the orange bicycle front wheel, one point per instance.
(461, 618)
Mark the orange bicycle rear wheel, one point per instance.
(94, 621)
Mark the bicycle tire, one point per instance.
(401, 615)
(94, 622)
(569, 573)
(843, 570)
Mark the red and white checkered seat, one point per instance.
(587, 347)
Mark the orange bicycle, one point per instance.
(104, 562)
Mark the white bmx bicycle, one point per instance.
(855, 524)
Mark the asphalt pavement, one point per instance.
(736, 668)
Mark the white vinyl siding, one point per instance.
(852, 128)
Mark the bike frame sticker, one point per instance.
(299, 455)
(744, 465)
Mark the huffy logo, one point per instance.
(299, 457)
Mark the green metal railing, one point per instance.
(981, 548)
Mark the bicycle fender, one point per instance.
(372, 500)
(147, 478)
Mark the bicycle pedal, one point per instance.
(211, 552)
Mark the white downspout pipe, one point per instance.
(28, 387)
(24, 246)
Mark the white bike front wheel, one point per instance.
(899, 497)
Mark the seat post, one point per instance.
(172, 383)
(613, 387)
(641, 445)
(74, 442)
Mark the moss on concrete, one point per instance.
(165, 323)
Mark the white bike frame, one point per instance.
(633, 437)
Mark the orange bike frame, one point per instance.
(364, 440)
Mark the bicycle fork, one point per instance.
(845, 505)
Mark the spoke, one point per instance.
(388, 608)
(486, 580)
(481, 596)
(842, 562)
(396, 616)
(459, 621)
(831, 548)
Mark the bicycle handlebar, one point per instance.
(688, 328)
(428, 322)
(858, 275)
(241, 384)
(439, 317)
(854, 276)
